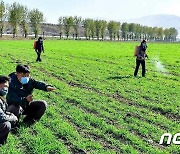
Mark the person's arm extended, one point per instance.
(39, 85)
(42, 86)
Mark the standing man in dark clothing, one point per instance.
(39, 48)
(6, 118)
(140, 58)
(20, 98)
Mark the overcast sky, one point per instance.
(101, 9)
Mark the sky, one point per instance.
(101, 9)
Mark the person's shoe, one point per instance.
(2, 143)
(29, 121)
(15, 130)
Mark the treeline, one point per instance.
(21, 18)
(97, 29)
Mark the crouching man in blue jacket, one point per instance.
(6, 118)
(20, 98)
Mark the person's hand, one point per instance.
(8, 113)
(29, 98)
(15, 118)
(49, 88)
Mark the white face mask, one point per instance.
(24, 80)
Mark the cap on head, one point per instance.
(144, 41)
(22, 69)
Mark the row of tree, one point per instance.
(116, 31)
(20, 16)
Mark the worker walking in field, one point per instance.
(6, 118)
(39, 48)
(140, 53)
(20, 95)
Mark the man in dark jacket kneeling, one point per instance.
(20, 98)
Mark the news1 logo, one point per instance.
(171, 138)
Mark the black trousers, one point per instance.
(34, 111)
(38, 56)
(4, 131)
(138, 62)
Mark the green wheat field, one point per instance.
(99, 106)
